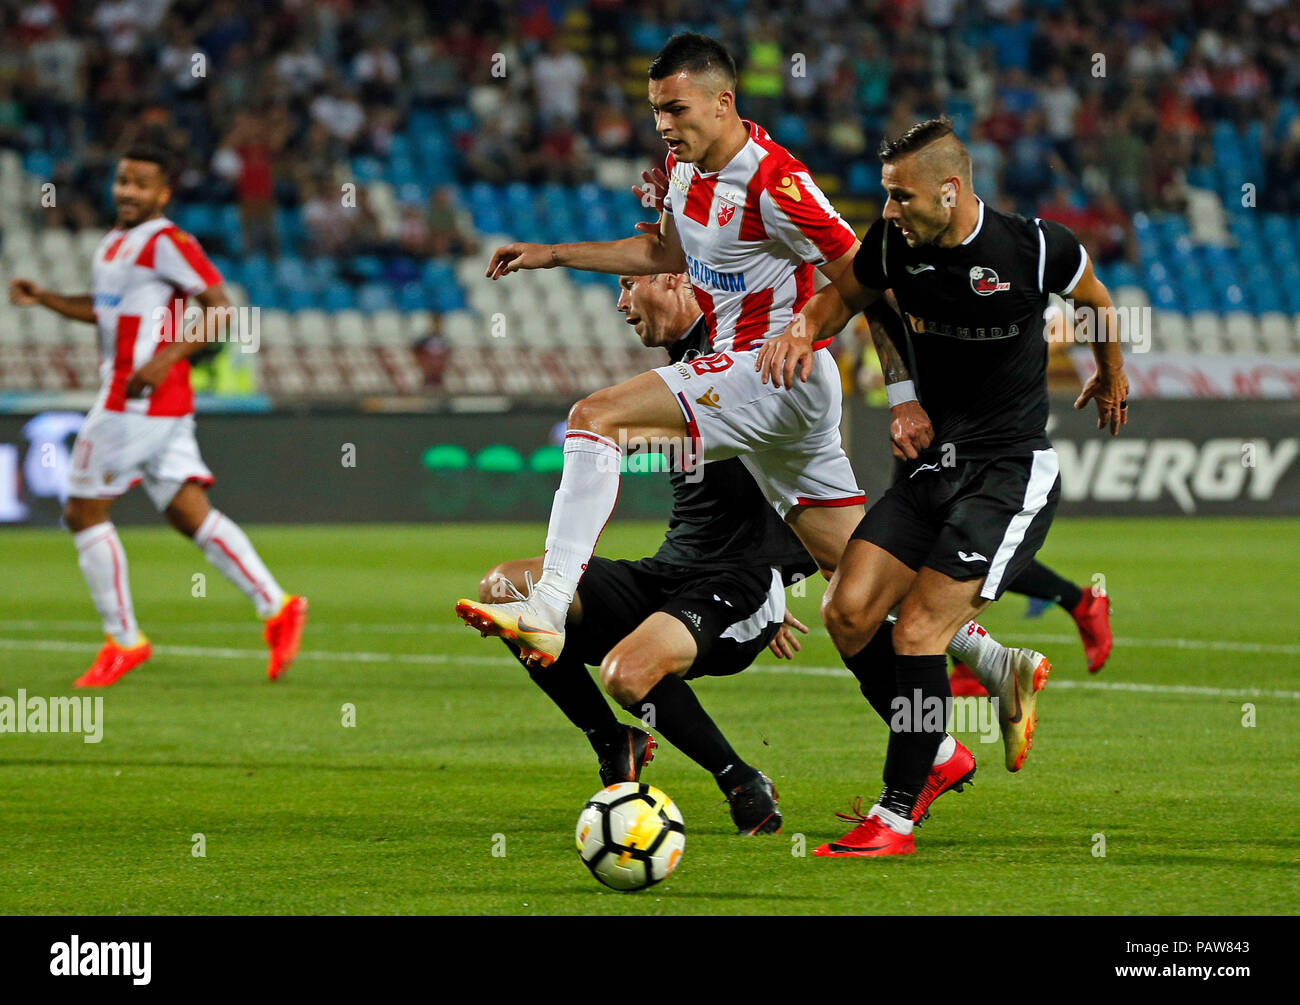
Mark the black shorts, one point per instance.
(732, 613)
(981, 519)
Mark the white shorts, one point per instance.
(117, 450)
(788, 438)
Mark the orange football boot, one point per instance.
(114, 662)
(283, 633)
(872, 836)
(953, 775)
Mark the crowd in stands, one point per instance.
(1106, 106)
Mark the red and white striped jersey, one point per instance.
(753, 233)
(140, 276)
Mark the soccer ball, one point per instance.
(630, 836)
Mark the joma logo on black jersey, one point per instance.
(924, 327)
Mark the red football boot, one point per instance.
(964, 683)
(871, 837)
(1093, 618)
(114, 662)
(953, 774)
(283, 633)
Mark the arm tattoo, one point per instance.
(887, 334)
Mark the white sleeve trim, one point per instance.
(1042, 252)
(1083, 264)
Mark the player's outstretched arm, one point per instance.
(910, 430)
(217, 311)
(1108, 387)
(28, 293)
(825, 313)
(642, 255)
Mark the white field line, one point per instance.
(439, 659)
(408, 628)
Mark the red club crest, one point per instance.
(725, 212)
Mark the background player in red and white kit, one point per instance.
(746, 222)
(141, 428)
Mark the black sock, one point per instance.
(873, 666)
(917, 729)
(568, 683)
(680, 717)
(1039, 581)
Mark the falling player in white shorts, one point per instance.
(141, 427)
(749, 225)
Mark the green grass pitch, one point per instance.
(454, 754)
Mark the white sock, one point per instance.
(103, 564)
(900, 825)
(979, 650)
(228, 548)
(947, 747)
(583, 503)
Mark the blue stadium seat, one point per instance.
(292, 271)
(366, 266)
(375, 297)
(401, 171)
(289, 229)
(411, 297)
(461, 120)
(367, 169)
(339, 297)
(296, 298)
(231, 230)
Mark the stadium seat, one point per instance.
(1239, 331)
(387, 328)
(350, 328)
(312, 328)
(462, 328)
(1206, 332)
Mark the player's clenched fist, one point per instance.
(910, 430)
(512, 257)
(24, 292)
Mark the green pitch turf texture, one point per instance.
(455, 754)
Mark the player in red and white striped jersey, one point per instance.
(141, 427)
(749, 225)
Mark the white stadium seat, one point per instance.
(1207, 331)
(388, 328)
(1239, 330)
(313, 327)
(350, 328)
(1275, 333)
(1171, 331)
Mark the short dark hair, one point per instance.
(153, 153)
(917, 137)
(693, 53)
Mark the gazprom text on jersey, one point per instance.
(729, 281)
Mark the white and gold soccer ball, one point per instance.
(630, 836)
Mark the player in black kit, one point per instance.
(943, 542)
(705, 604)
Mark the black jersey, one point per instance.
(720, 517)
(974, 319)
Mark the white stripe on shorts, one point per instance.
(1042, 476)
(772, 612)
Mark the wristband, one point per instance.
(900, 393)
